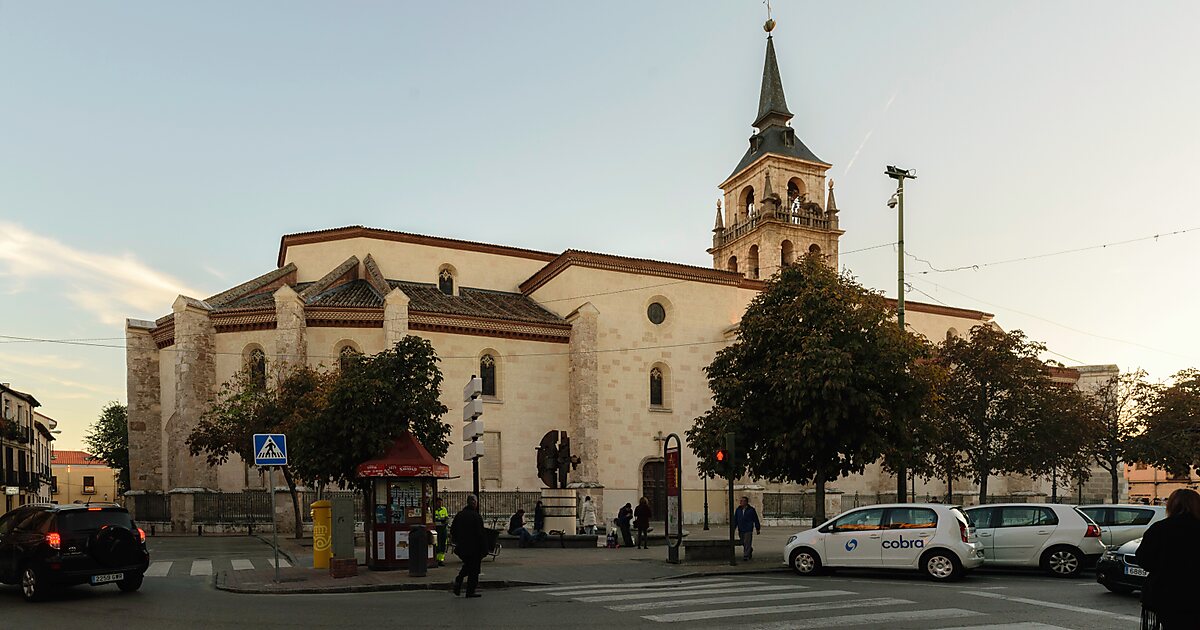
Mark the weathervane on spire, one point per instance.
(770, 25)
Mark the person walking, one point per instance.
(469, 545)
(746, 519)
(588, 519)
(623, 521)
(641, 522)
(441, 519)
(1170, 551)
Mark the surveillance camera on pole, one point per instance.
(897, 203)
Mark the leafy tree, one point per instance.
(1172, 414)
(108, 439)
(246, 406)
(817, 384)
(1119, 424)
(993, 391)
(1064, 431)
(373, 400)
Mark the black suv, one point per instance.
(46, 546)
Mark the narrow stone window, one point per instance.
(446, 282)
(656, 387)
(787, 253)
(487, 372)
(732, 263)
(752, 262)
(256, 365)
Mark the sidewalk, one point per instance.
(513, 567)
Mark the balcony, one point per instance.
(803, 217)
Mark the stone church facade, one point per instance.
(609, 348)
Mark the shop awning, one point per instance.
(405, 458)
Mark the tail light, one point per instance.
(1092, 532)
(54, 540)
(962, 530)
(142, 534)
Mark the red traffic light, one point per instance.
(721, 455)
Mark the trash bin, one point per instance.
(418, 551)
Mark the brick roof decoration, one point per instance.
(77, 458)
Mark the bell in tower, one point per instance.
(762, 230)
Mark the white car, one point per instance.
(1120, 524)
(935, 538)
(1058, 538)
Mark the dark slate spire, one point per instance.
(772, 106)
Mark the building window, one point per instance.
(489, 466)
(787, 253)
(446, 281)
(814, 249)
(746, 207)
(733, 263)
(487, 372)
(346, 354)
(89, 485)
(656, 313)
(656, 387)
(752, 262)
(54, 484)
(256, 366)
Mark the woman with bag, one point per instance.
(1170, 551)
(641, 522)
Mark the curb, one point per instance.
(283, 552)
(720, 572)
(365, 588)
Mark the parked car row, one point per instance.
(945, 541)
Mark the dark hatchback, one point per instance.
(44, 547)
(1117, 570)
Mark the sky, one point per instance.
(152, 149)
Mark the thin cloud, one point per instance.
(111, 287)
(40, 361)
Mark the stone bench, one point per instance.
(707, 550)
(564, 541)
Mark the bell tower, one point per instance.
(777, 204)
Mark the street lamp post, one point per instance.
(897, 201)
(705, 502)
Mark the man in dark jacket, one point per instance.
(469, 545)
(1170, 551)
(746, 519)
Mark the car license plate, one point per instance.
(108, 577)
(1136, 571)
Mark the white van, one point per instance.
(1060, 539)
(935, 538)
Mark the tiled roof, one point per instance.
(427, 298)
(76, 458)
(356, 293)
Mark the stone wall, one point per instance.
(195, 380)
(144, 406)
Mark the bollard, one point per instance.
(322, 536)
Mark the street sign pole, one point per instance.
(274, 523)
(472, 412)
(673, 469)
(732, 524)
(270, 451)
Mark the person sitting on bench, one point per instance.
(516, 527)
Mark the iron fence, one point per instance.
(789, 505)
(151, 507)
(496, 506)
(251, 506)
(356, 497)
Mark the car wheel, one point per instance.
(941, 566)
(33, 588)
(804, 561)
(1119, 589)
(1062, 562)
(130, 584)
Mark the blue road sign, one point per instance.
(270, 449)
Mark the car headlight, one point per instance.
(792, 538)
(1109, 555)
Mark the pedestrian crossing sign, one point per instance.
(270, 449)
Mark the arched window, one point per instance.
(346, 354)
(733, 263)
(814, 249)
(446, 281)
(951, 333)
(787, 253)
(487, 372)
(256, 367)
(752, 262)
(746, 204)
(656, 387)
(796, 193)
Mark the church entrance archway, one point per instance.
(654, 487)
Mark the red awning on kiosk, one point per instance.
(405, 458)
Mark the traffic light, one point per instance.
(722, 456)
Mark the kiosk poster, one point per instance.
(671, 457)
(401, 545)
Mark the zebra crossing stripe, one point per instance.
(561, 587)
(283, 564)
(1038, 602)
(202, 567)
(242, 564)
(732, 599)
(771, 610)
(597, 589)
(717, 589)
(873, 619)
(158, 569)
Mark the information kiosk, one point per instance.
(400, 488)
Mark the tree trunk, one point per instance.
(1116, 490)
(819, 508)
(1054, 485)
(983, 479)
(287, 476)
(950, 488)
(902, 485)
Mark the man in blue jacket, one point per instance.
(746, 519)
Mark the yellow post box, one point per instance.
(322, 534)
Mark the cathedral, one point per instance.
(608, 348)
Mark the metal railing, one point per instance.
(497, 506)
(250, 506)
(308, 497)
(151, 507)
(798, 217)
(789, 504)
